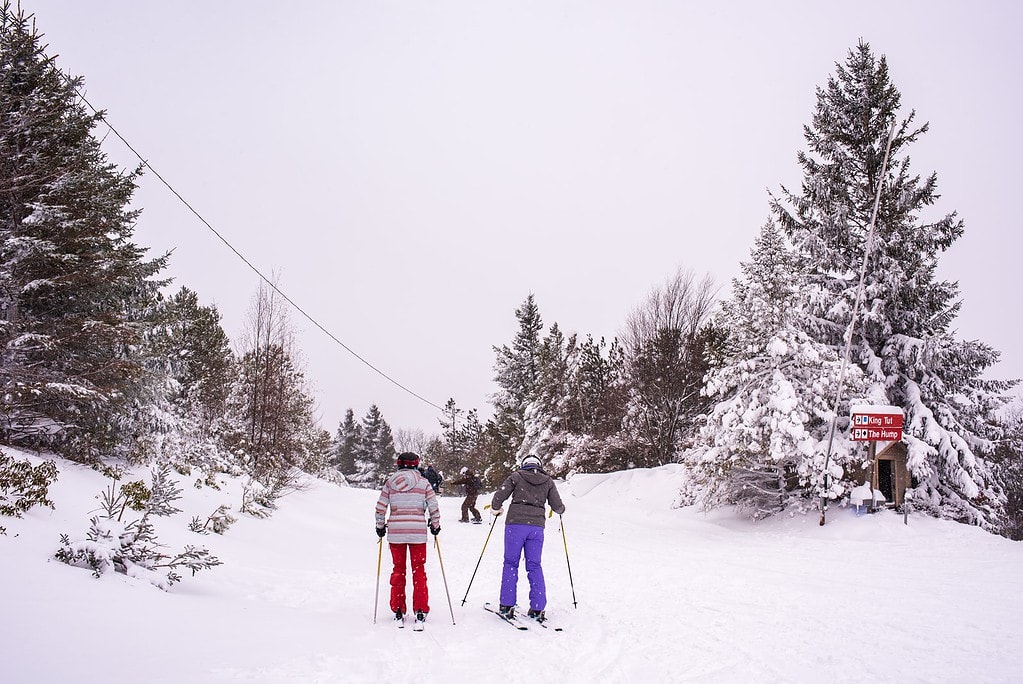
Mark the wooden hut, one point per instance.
(887, 471)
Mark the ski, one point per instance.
(418, 625)
(511, 621)
(400, 622)
(546, 624)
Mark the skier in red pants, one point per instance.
(408, 495)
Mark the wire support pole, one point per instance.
(852, 323)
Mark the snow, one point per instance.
(859, 496)
(664, 595)
(876, 408)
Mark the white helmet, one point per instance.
(531, 461)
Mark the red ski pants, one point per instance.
(420, 594)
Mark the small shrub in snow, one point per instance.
(114, 472)
(23, 486)
(210, 481)
(257, 500)
(132, 548)
(133, 495)
(218, 521)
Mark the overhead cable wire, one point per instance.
(241, 256)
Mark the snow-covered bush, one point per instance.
(218, 521)
(132, 548)
(257, 500)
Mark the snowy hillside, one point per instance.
(664, 595)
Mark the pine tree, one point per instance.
(468, 442)
(451, 430)
(665, 343)
(346, 444)
(542, 415)
(71, 280)
(904, 343)
(587, 399)
(517, 369)
(181, 400)
(375, 457)
(201, 355)
(763, 444)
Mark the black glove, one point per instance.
(381, 531)
(435, 530)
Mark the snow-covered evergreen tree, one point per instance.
(346, 444)
(517, 373)
(596, 387)
(541, 418)
(583, 402)
(200, 356)
(71, 280)
(1009, 459)
(765, 440)
(375, 457)
(904, 343)
(180, 400)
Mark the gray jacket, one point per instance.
(529, 490)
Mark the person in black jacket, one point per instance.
(473, 485)
(433, 477)
(530, 490)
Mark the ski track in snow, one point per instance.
(663, 595)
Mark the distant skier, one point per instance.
(530, 489)
(408, 494)
(473, 484)
(433, 477)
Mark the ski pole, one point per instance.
(376, 597)
(436, 543)
(478, 562)
(570, 582)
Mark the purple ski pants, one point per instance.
(519, 539)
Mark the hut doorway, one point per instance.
(885, 478)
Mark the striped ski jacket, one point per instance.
(409, 496)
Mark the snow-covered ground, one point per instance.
(664, 595)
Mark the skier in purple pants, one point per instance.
(530, 489)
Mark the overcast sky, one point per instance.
(413, 170)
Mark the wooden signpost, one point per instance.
(875, 424)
